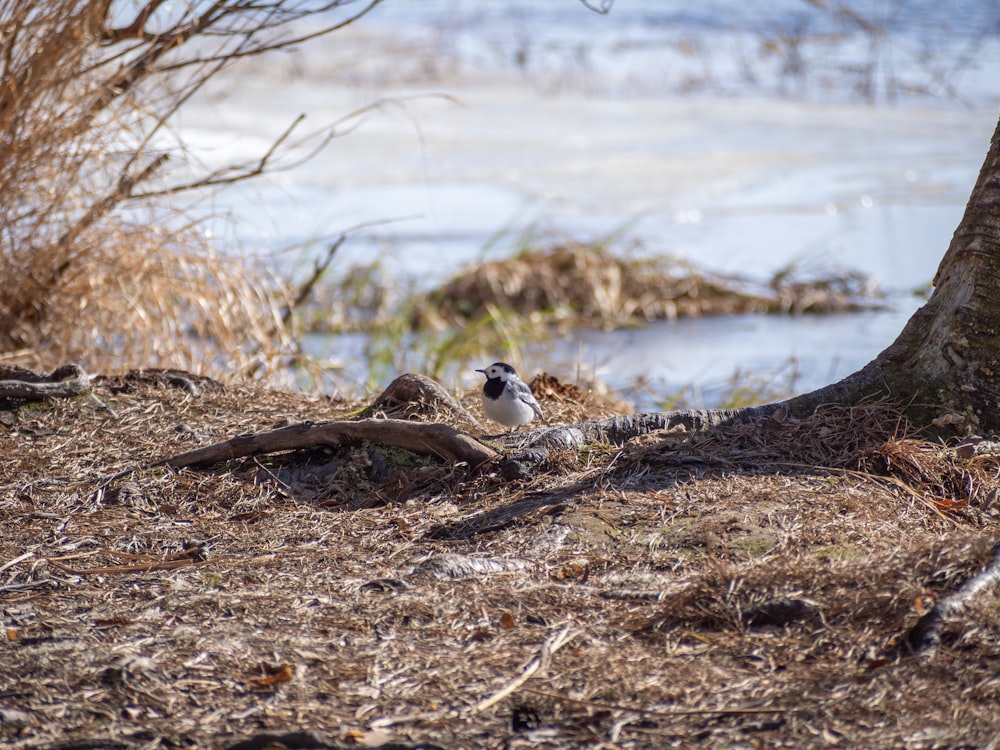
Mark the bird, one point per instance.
(506, 398)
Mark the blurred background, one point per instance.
(689, 204)
(751, 139)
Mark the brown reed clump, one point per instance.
(588, 284)
(97, 267)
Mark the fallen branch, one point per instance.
(24, 385)
(30, 586)
(193, 554)
(425, 438)
(925, 636)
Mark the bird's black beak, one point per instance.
(482, 371)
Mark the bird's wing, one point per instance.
(523, 393)
(538, 409)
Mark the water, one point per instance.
(674, 121)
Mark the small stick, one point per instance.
(653, 712)
(539, 663)
(47, 583)
(16, 560)
(141, 568)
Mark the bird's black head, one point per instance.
(498, 371)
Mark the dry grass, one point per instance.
(694, 594)
(96, 268)
(141, 296)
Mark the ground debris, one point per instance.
(613, 595)
(464, 566)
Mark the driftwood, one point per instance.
(450, 444)
(925, 636)
(425, 438)
(19, 384)
(408, 395)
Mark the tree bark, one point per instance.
(942, 371)
(944, 367)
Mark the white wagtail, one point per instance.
(506, 398)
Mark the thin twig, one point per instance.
(539, 664)
(16, 560)
(320, 266)
(141, 568)
(661, 713)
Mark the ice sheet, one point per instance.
(737, 184)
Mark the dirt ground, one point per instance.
(740, 590)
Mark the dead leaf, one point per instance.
(280, 673)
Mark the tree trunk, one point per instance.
(944, 368)
(942, 371)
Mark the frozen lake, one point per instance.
(470, 138)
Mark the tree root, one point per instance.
(20, 384)
(925, 636)
(412, 394)
(534, 447)
(425, 438)
(617, 430)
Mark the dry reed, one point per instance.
(588, 284)
(96, 267)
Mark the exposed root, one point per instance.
(413, 395)
(433, 439)
(22, 385)
(925, 636)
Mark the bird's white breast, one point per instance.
(508, 411)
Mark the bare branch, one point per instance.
(603, 7)
(136, 29)
(234, 173)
